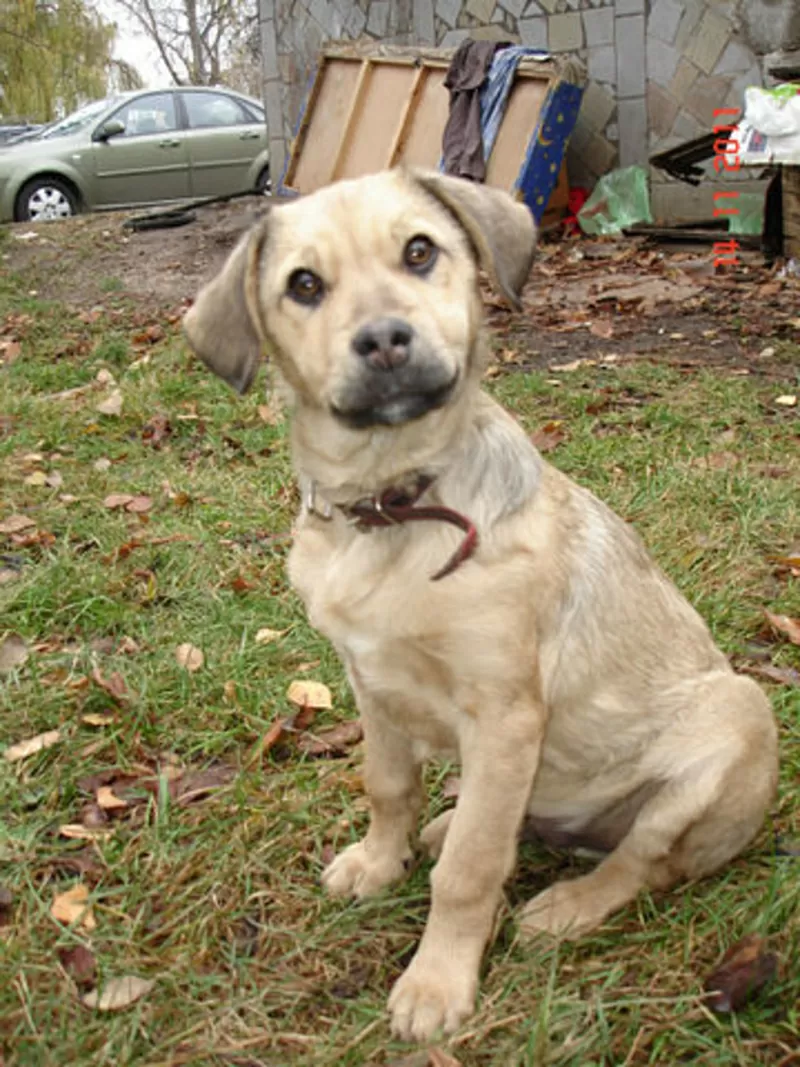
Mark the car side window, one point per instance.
(153, 113)
(206, 110)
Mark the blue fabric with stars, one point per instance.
(540, 168)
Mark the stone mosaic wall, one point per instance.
(657, 68)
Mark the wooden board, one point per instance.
(423, 137)
(325, 119)
(519, 121)
(790, 189)
(369, 112)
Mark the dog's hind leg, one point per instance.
(433, 833)
(706, 812)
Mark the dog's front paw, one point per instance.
(565, 910)
(360, 871)
(429, 997)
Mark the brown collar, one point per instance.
(395, 506)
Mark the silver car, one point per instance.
(134, 149)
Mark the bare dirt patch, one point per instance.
(586, 300)
(85, 260)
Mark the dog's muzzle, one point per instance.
(396, 377)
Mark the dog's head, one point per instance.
(365, 293)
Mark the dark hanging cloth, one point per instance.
(462, 141)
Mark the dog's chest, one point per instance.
(392, 630)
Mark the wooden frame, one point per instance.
(370, 110)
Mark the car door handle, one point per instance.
(169, 143)
(250, 135)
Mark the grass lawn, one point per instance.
(205, 878)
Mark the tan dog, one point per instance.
(554, 659)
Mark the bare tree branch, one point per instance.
(200, 41)
(142, 11)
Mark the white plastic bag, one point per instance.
(774, 112)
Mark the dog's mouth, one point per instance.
(400, 405)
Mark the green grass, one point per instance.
(219, 901)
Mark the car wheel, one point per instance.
(46, 199)
(264, 182)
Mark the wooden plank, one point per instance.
(557, 204)
(406, 118)
(371, 109)
(326, 126)
(299, 141)
(519, 123)
(423, 139)
(356, 107)
(790, 188)
(369, 145)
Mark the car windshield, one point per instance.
(78, 119)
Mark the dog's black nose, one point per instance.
(384, 343)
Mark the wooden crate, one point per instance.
(369, 111)
(790, 188)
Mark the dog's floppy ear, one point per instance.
(501, 229)
(223, 326)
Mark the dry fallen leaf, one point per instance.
(117, 500)
(271, 413)
(108, 801)
(93, 817)
(785, 625)
(189, 657)
(93, 718)
(195, 785)
(101, 465)
(37, 478)
(118, 993)
(602, 328)
(241, 585)
(6, 905)
(139, 505)
(310, 695)
(788, 400)
(548, 437)
(333, 742)
(718, 461)
(575, 364)
(265, 636)
(780, 675)
(77, 832)
(23, 749)
(112, 405)
(15, 523)
(73, 907)
(742, 971)
(86, 863)
(13, 652)
(79, 963)
(9, 351)
(273, 735)
(114, 685)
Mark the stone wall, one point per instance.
(657, 68)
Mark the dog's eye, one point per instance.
(305, 287)
(420, 254)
